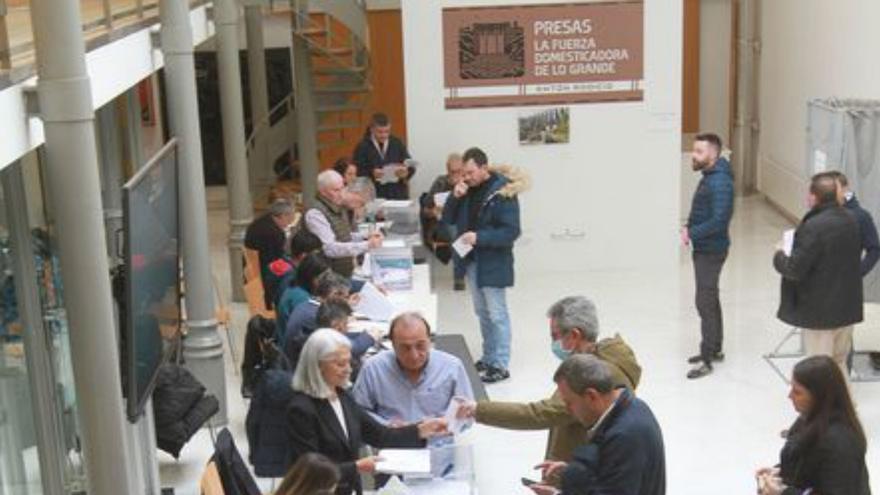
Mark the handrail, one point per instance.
(266, 122)
(352, 13)
(305, 22)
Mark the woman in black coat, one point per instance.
(824, 453)
(322, 417)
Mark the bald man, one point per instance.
(414, 381)
(329, 222)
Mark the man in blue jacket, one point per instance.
(485, 211)
(707, 233)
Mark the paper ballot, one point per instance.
(455, 425)
(440, 199)
(397, 203)
(389, 175)
(787, 241)
(405, 461)
(373, 304)
(461, 247)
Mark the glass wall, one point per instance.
(34, 346)
(19, 464)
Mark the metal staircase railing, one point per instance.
(340, 82)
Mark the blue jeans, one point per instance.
(490, 305)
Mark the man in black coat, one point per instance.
(821, 289)
(379, 149)
(624, 454)
(870, 240)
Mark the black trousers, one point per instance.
(707, 271)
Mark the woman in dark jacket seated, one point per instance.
(323, 418)
(824, 453)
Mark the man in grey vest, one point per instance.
(329, 222)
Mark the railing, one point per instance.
(265, 125)
(352, 14)
(99, 17)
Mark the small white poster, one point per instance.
(820, 161)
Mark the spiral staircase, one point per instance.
(339, 61)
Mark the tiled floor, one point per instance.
(717, 430)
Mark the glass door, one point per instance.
(19, 460)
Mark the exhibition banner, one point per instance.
(543, 54)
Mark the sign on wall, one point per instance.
(543, 54)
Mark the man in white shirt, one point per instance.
(329, 222)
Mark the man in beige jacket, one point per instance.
(574, 329)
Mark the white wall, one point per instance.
(715, 53)
(811, 49)
(618, 180)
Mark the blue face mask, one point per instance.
(559, 351)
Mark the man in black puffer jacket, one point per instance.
(821, 289)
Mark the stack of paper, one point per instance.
(393, 243)
(373, 305)
(443, 487)
(408, 462)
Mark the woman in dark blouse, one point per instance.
(824, 453)
(323, 418)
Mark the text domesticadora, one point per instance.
(609, 55)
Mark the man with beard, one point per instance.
(707, 233)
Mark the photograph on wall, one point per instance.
(543, 54)
(545, 126)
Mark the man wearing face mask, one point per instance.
(574, 329)
(707, 233)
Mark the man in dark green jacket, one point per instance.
(574, 329)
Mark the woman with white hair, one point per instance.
(322, 416)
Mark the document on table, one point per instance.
(404, 461)
(393, 243)
(787, 241)
(440, 198)
(397, 203)
(442, 487)
(373, 304)
(461, 247)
